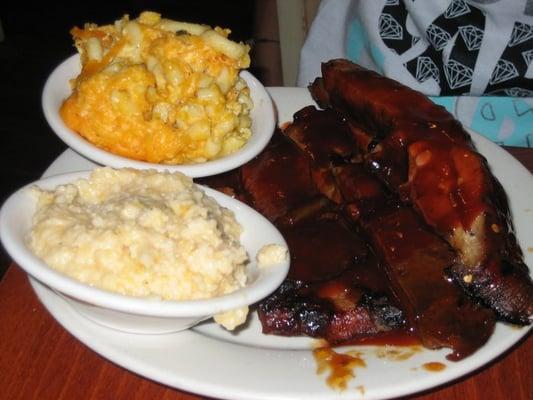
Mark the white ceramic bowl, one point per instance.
(57, 89)
(135, 314)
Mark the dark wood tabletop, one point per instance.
(41, 360)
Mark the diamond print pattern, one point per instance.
(437, 36)
(527, 56)
(503, 71)
(521, 107)
(389, 28)
(472, 35)
(464, 18)
(426, 69)
(487, 112)
(518, 92)
(457, 74)
(456, 9)
(521, 33)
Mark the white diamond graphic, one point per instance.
(457, 74)
(518, 92)
(527, 56)
(415, 40)
(438, 37)
(472, 36)
(521, 33)
(456, 9)
(426, 69)
(503, 71)
(389, 28)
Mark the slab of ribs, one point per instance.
(394, 221)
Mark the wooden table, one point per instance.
(40, 360)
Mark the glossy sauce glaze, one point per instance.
(363, 263)
(418, 150)
(411, 259)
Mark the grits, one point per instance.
(141, 233)
(271, 254)
(267, 256)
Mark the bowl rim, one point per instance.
(262, 128)
(266, 280)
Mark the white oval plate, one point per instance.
(249, 365)
(57, 89)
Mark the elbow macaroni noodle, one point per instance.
(159, 90)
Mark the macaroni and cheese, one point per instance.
(159, 90)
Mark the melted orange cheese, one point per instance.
(152, 94)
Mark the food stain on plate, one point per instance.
(340, 366)
(434, 366)
(395, 353)
(516, 327)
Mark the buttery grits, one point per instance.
(141, 233)
(271, 254)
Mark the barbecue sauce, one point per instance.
(341, 366)
(434, 366)
(420, 151)
(348, 259)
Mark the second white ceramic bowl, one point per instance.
(57, 89)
